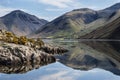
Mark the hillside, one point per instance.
(78, 22)
(21, 23)
(108, 31)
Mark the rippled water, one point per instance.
(86, 60)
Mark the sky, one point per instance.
(51, 9)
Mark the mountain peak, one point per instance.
(83, 9)
(81, 21)
(16, 11)
(22, 23)
(117, 4)
(15, 14)
(114, 7)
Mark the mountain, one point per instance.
(68, 23)
(79, 22)
(21, 23)
(108, 31)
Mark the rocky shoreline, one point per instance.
(12, 54)
(53, 50)
(20, 50)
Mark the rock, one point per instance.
(12, 54)
(53, 50)
(21, 50)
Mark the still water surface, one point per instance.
(86, 60)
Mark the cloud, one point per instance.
(65, 5)
(67, 74)
(118, 0)
(58, 3)
(53, 9)
(4, 10)
(57, 76)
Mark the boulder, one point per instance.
(12, 54)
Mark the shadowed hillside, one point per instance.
(21, 23)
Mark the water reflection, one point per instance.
(84, 61)
(90, 54)
(19, 69)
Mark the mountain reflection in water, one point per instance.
(85, 60)
(87, 55)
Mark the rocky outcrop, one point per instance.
(21, 50)
(12, 54)
(53, 50)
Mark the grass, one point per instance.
(9, 37)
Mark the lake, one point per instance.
(85, 60)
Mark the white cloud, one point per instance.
(61, 5)
(58, 3)
(64, 5)
(4, 10)
(53, 9)
(67, 74)
(118, 0)
(57, 76)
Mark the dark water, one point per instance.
(86, 60)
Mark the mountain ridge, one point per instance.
(78, 20)
(21, 23)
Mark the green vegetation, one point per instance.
(22, 40)
(15, 40)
